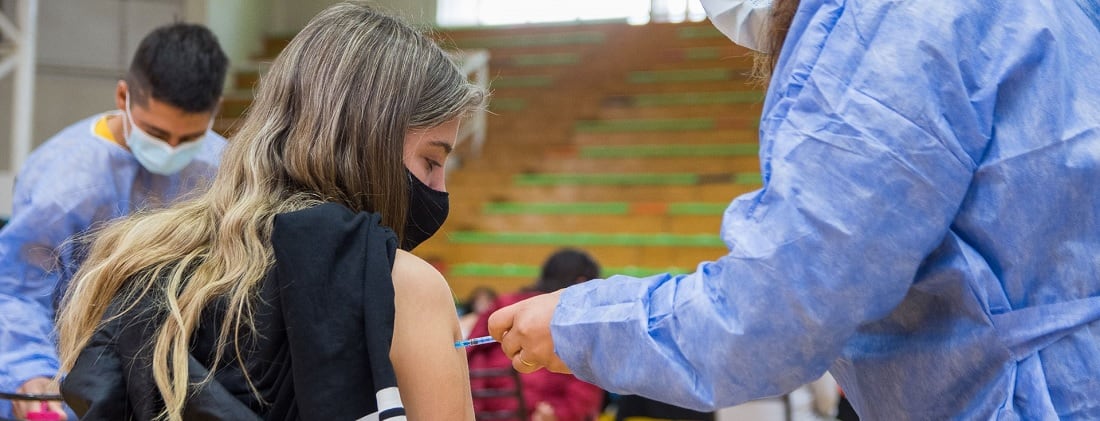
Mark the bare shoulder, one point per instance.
(417, 281)
(423, 353)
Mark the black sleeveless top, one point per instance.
(324, 323)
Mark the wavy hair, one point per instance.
(328, 124)
(779, 22)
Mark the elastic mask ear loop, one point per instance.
(129, 118)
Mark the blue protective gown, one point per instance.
(927, 229)
(73, 181)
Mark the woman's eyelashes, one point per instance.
(432, 164)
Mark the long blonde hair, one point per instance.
(328, 124)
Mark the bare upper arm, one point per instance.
(432, 374)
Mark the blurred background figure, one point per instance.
(476, 303)
(547, 396)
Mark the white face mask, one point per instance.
(743, 21)
(156, 155)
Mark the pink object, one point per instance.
(43, 414)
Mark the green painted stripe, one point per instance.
(532, 81)
(646, 125)
(531, 271)
(632, 179)
(507, 104)
(675, 76)
(702, 53)
(697, 98)
(534, 40)
(487, 269)
(639, 272)
(696, 32)
(748, 178)
(586, 239)
(693, 208)
(554, 59)
(663, 151)
(555, 208)
(596, 208)
(669, 179)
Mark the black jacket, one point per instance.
(325, 324)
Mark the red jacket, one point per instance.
(572, 399)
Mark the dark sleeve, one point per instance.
(113, 378)
(95, 388)
(333, 270)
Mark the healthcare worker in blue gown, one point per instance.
(157, 147)
(927, 231)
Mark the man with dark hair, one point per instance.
(155, 148)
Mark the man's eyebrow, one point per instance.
(161, 133)
(154, 130)
(194, 135)
(446, 146)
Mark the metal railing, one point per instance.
(17, 52)
(475, 64)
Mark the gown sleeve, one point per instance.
(38, 255)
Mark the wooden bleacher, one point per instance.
(627, 141)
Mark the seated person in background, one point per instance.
(285, 291)
(548, 396)
(477, 303)
(155, 148)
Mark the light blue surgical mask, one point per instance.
(156, 155)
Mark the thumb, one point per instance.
(501, 321)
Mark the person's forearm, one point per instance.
(26, 350)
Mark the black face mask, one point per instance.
(428, 209)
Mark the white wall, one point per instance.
(240, 26)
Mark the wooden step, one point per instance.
(671, 125)
(623, 165)
(742, 135)
(740, 66)
(639, 224)
(593, 193)
(730, 51)
(686, 111)
(720, 164)
(529, 39)
(511, 276)
(683, 99)
(453, 253)
(442, 35)
(624, 87)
